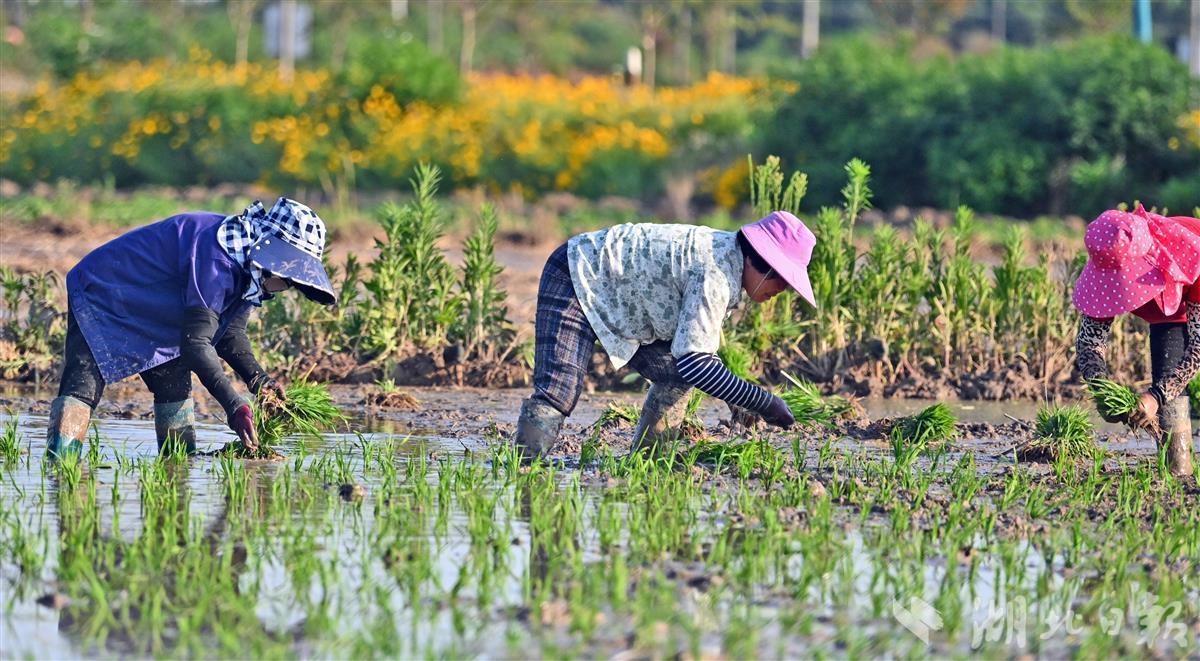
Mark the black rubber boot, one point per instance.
(537, 429)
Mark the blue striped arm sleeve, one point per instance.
(706, 373)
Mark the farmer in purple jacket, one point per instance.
(167, 300)
(655, 297)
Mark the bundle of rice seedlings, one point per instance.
(1060, 432)
(308, 409)
(1112, 399)
(615, 413)
(809, 407)
(934, 424)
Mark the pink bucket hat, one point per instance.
(786, 244)
(1133, 258)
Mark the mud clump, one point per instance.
(393, 399)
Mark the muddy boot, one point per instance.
(1176, 425)
(68, 427)
(662, 413)
(175, 427)
(537, 429)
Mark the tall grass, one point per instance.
(409, 298)
(920, 301)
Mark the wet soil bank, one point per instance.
(475, 417)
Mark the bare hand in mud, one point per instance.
(271, 398)
(1145, 416)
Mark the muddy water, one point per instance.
(450, 423)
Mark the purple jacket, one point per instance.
(129, 294)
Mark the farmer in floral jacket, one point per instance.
(167, 300)
(655, 297)
(1148, 265)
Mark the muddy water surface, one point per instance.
(446, 556)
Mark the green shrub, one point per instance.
(1066, 128)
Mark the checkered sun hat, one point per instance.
(286, 241)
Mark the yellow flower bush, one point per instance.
(205, 121)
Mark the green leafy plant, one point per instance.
(1112, 399)
(31, 323)
(484, 321)
(411, 285)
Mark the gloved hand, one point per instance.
(778, 414)
(242, 423)
(271, 397)
(1145, 416)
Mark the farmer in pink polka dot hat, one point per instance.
(1148, 265)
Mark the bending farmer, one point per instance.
(655, 296)
(1149, 265)
(166, 300)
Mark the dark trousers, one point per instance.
(81, 378)
(564, 342)
(1167, 345)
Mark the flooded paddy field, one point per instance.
(415, 533)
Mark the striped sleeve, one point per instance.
(706, 373)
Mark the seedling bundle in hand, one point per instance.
(809, 407)
(1113, 400)
(308, 409)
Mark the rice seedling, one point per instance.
(10, 440)
(307, 409)
(914, 434)
(1060, 433)
(1112, 399)
(615, 413)
(809, 407)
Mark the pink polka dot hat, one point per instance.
(1134, 258)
